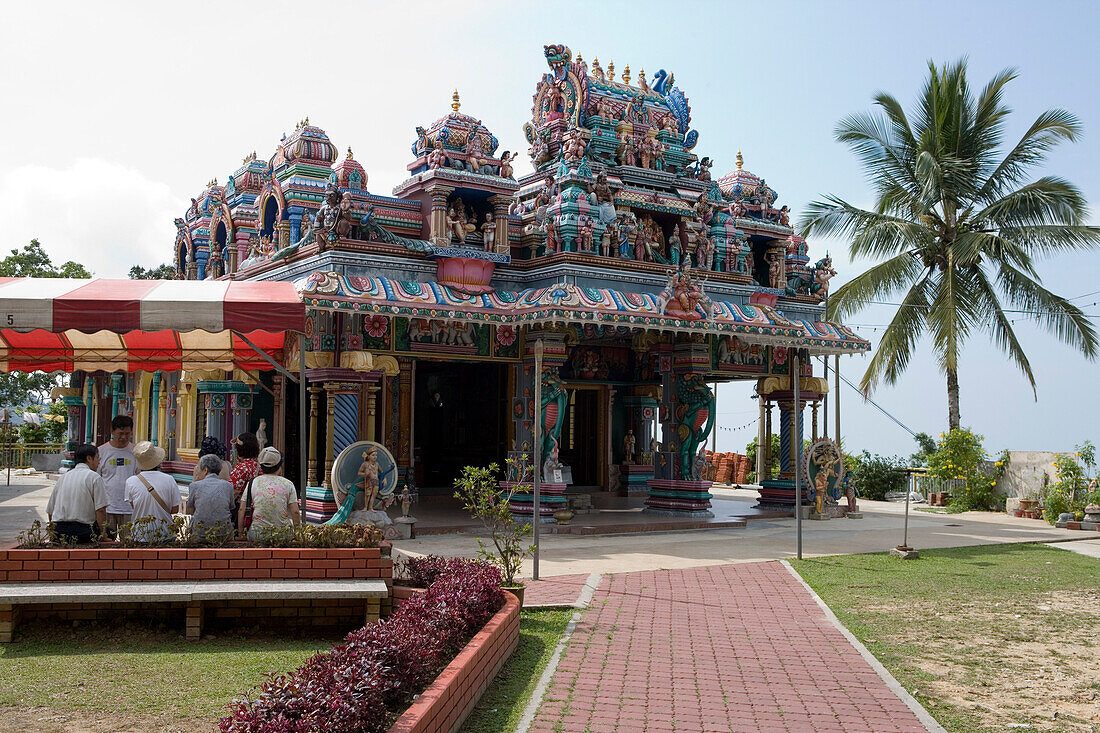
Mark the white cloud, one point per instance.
(104, 215)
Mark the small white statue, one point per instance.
(261, 433)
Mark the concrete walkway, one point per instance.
(727, 648)
(761, 539)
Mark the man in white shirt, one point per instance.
(152, 494)
(116, 465)
(77, 508)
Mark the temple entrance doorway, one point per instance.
(461, 419)
(580, 439)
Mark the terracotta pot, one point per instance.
(516, 590)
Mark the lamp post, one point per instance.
(537, 516)
(796, 437)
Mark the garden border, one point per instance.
(444, 705)
(239, 562)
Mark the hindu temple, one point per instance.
(640, 276)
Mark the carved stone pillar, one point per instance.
(311, 474)
(813, 433)
(437, 221)
(154, 408)
(231, 258)
(372, 411)
(283, 231)
(173, 417)
(404, 412)
(500, 216)
(278, 417)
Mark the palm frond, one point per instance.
(1003, 334)
(873, 234)
(1052, 312)
(1049, 200)
(879, 282)
(1052, 127)
(896, 347)
(1047, 239)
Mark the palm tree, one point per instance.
(956, 226)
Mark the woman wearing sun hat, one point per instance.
(152, 494)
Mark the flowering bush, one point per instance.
(957, 457)
(361, 684)
(1070, 491)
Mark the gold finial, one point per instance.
(596, 62)
(455, 104)
(307, 120)
(641, 76)
(626, 75)
(350, 156)
(611, 71)
(740, 160)
(580, 59)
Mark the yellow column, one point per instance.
(311, 474)
(372, 410)
(330, 427)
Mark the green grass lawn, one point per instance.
(502, 705)
(137, 672)
(129, 669)
(983, 636)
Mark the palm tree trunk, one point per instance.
(952, 399)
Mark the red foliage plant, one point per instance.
(361, 684)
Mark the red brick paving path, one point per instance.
(555, 590)
(714, 649)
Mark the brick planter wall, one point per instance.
(446, 703)
(99, 564)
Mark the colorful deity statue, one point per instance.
(695, 419)
(458, 222)
(488, 231)
(683, 296)
(552, 410)
(437, 158)
(674, 249)
(476, 159)
(736, 208)
(575, 144)
(764, 197)
(506, 164)
(331, 222)
(368, 477)
(629, 441)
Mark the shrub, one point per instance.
(957, 458)
(1071, 490)
(362, 683)
(423, 571)
(874, 475)
(482, 495)
(772, 469)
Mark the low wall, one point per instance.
(1025, 472)
(101, 564)
(446, 703)
(318, 615)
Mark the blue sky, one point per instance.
(117, 113)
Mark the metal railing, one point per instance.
(18, 455)
(924, 484)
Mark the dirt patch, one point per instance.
(1016, 666)
(48, 720)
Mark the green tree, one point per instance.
(32, 261)
(956, 225)
(926, 445)
(163, 272)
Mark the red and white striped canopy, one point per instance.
(51, 324)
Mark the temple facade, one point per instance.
(640, 278)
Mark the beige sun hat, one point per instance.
(148, 456)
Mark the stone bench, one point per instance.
(192, 595)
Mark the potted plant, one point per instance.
(486, 498)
